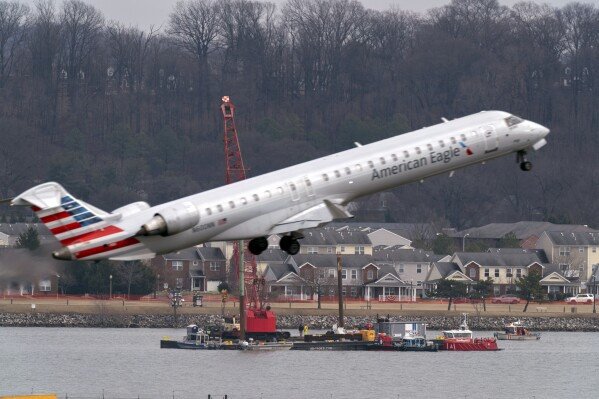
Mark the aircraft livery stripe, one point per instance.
(106, 247)
(84, 229)
(92, 235)
(66, 227)
(56, 216)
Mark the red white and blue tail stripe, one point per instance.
(85, 232)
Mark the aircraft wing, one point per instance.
(315, 216)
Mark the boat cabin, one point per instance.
(401, 329)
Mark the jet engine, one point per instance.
(172, 220)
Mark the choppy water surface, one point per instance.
(128, 363)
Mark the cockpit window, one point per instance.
(513, 120)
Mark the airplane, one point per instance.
(283, 202)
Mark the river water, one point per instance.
(128, 363)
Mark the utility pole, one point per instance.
(340, 290)
(242, 320)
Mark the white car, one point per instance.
(581, 298)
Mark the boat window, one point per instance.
(441, 143)
(347, 171)
(513, 120)
(219, 208)
(453, 140)
(208, 211)
(256, 198)
(371, 164)
(406, 154)
(430, 147)
(325, 177)
(394, 157)
(418, 150)
(231, 204)
(243, 200)
(382, 160)
(337, 173)
(358, 167)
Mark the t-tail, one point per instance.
(85, 232)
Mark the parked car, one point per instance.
(581, 298)
(505, 299)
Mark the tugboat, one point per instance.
(462, 340)
(197, 338)
(517, 331)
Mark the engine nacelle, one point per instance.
(171, 221)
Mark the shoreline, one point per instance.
(449, 320)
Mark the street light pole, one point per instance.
(464, 241)
(110, 294)
(594, 293)
(57, 285)
(157, 285)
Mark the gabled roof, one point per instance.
(331, 237)
(497, 259)
(406, 230)
(276, 271)
(539, 252)
(574, 238)
(183, 254)
(388, 280)
(330, 260)
(272, 255)
(522, 230)
(446, 268)
(210, 254)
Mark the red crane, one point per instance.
(258, 320)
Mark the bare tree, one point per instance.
(81, 27)
(13, 18)
(194, 26)
(44, 40)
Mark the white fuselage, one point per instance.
(256, 206)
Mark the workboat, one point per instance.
(405, 336)
(197, 338)
(462, 340)
(517, 331)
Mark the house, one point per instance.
(284, 282)
(411, 265)
(503, 267)
(330, 241)
(10, 232)
(575, 253)
(270, 256)
(191, 269)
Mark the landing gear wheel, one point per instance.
(258, 245)
(289, 245)
(526, 166)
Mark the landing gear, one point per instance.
(258, 245)
(525, 165)
(290, 244)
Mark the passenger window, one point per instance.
(267, 194)
(244, 201)
(463, 136)
(441, 143)
(430, 147)
(382, 160)
(418, 150)
(280, 190)
(347, 171)
(394, 157)
(453, 140)
(358, 167)
(325, 177)
(231, 204)
(337, 174)
(371, 164)
(292, 187)
(256, 198)
(208, 211)
(219, 208)
(406, 154)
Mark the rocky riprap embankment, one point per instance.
(540, 323)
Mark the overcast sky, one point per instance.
(144, 13)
